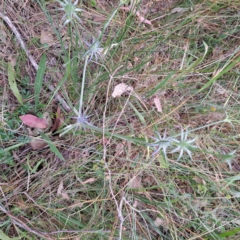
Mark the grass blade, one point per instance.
(52, 146)
(230, 233)
(39, 79)
(13, 84)
(231, 65)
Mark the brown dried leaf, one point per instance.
(38, 144)
(90, 180)
(61, 192)
(120, 89)
(60, 188)
(65, 195)
(159, 222)
(33, 121)
(158, 104)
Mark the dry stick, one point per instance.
(30, 57)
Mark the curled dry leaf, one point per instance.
(120, 89)
(61, 192)
(158, 104)
(159, 222)
(33, 121)
(90, 180)
(38, 144)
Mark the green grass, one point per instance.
(98, 177)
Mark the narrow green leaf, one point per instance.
(231, 180)
(52, 146)
(39, 79)
(230, 233)
(161, 84)
(220, 73)
(13, 84)
(140, 116)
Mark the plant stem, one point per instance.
(82, 87)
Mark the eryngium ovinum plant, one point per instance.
(163, 143)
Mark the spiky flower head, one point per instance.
(71, 11)
(161, 142)
(184, 144)
(94, 50)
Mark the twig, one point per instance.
(30, 57)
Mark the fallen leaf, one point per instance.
(120, 89)
(158, 222)
(65, 195)
(158, 104)
(135, 203)
(38, 144)
(33, 121)
(61, 192)
(90, 180)
(46, 37)
(60, 188)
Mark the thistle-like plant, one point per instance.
(184, 144)
(71, 11)
(81, 117)
(81, 122)
(161, 142)
(94, 49)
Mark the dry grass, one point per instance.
(110, 186)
